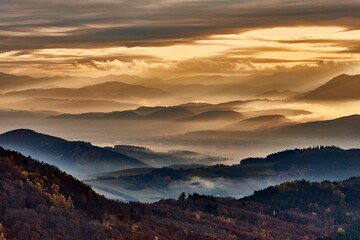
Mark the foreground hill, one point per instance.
(73, 156)
(37, 201)
(342, 87)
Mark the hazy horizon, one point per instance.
(221, 81)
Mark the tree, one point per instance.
(182, 197)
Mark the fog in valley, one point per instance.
(183, 123)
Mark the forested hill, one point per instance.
(328, 162)
(38, 201)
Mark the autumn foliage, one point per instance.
(38, 201)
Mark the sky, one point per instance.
(168, 38)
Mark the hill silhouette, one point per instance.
(13, 82)
(75, 106)
(319, 162)
(72, 156)
(10, 82)
(258, 122)
(274, 94)
(348, 126)
(215, 115)
(123, 115)
(108, 90)
(141, 113)
(170, 113)
(183, 112)
(265, 118)
(160, 159)
(342, 87)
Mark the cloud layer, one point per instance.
(142, 34)
(34, 24)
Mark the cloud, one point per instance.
(189, 66)
(222, 187)
(163, 37)
(34, 24)
(209, 66)
(134, 66)
(215, 66)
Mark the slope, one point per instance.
(40, 202)
(342, 87)
(73, 156)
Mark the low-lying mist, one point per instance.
(221, 187)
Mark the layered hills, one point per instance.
(40, 202)
(107, 90)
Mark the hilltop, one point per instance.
(74, 156)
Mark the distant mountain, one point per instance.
(161, 159)
(203, 85)
(4, 78)
(123, 115)
(205, 79)
(344, 127)
(108, 90)
(19, 115)
(142, 113)
(242, 103)
(265, 118)
(170, 113)
(278, 111)
(342, 87)
(263, 121)
(74, 157)
(10, 82)
(215, 115)
(40, 202)
(192, 112)
(130, 79)
(198, 111)
(70, 105)
(287, 94)
(299, 80)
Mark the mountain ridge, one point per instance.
(74, 156)
(341, 87)
(107, 90)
